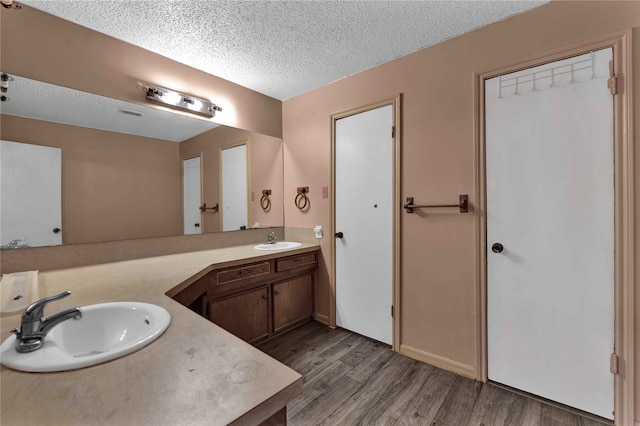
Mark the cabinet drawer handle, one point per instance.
(245, 271)
(297, 259)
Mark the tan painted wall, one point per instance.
(265, 172)
(267, 166)
(437, 85)
(114, 186)
(43, 47)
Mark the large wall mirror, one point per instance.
(122, 167)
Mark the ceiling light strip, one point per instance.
(175, 99)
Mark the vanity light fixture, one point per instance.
(10, 4)
(4, 86)
(178, 100)
(4, 81)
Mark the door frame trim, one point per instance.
(395, 103)
(624, 399)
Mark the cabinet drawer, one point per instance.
(233, 275)
(296, 262)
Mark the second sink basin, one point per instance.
(280, 245)
(106, 331)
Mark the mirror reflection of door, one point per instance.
(30, 194)
(191, 199)
(234, 187)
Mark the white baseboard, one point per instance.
(455, 367)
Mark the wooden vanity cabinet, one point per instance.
(246, 314)
(258, 300)
(239, 277)
(192, 294)
(292, 302)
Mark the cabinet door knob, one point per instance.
(276, 292)
(264, 296)
(339, 235)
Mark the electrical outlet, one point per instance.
(325, 192)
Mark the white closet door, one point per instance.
(235, 203)
(30, 188)
(550, 204)
(364, 216)
(191, 196)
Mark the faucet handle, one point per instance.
(35, 310)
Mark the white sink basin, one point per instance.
(280, 245)
(106, 331)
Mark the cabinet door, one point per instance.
(292, 301)
(245, 315)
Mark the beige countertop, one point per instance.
(195, 373)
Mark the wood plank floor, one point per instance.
(353, 380)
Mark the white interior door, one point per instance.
(30, 188)
(550, 204)
(235, 203)
(364, 217)
(191, 196)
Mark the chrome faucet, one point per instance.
(271, 238)
(34, 328)
(14, 244)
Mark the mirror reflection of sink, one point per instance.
(105, 332)
(280, 245)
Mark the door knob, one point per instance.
(497, 247)
(339, 235)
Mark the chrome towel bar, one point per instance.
(463, 204)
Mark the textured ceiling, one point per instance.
(282, 48)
